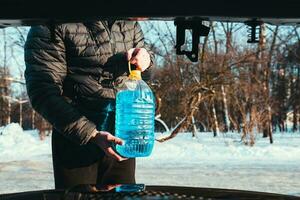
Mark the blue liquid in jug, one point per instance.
(135, 110)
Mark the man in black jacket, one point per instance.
(71, 74)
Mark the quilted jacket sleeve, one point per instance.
(45, 72)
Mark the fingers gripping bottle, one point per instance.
(135, 112)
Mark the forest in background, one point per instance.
(252, 89)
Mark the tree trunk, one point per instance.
(32, 119)
(295, 119)
(226, 118)
(267, 82)
(194, 130)
(21, 111)
(216, 124)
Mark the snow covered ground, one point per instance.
(222, 162)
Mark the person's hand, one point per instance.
(105, 140)
(139, 57)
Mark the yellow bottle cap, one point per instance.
(135, 75)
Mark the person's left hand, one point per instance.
(139, 57)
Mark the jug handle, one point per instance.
(129, 67)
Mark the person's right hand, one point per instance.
(139, 57)
(105, 140)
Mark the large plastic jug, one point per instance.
(135, 112)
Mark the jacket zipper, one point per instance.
(111, 40)
(91, 33)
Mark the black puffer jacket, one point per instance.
(78, 63)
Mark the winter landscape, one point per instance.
(235, 90)
(204, 161)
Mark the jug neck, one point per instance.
(135, 75)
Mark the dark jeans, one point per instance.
(87, 164)
(105, 171)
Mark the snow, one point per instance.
(204, 161)
(25, 160)
(16, 144)
(224, 162)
